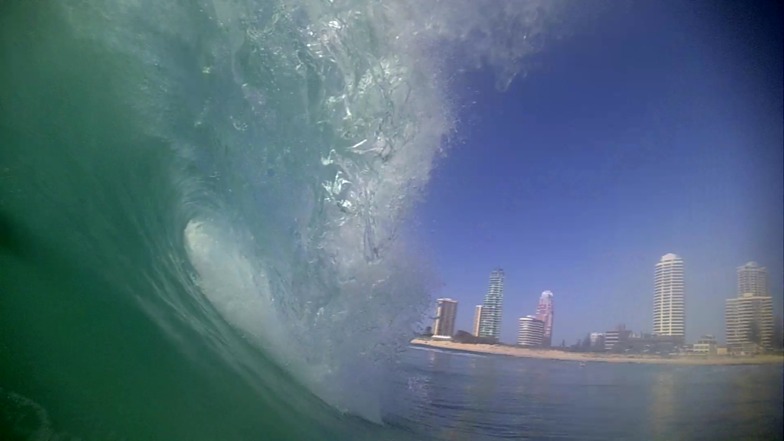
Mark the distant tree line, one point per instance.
(462, 337)
(466, 337)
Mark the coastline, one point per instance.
(555, 354)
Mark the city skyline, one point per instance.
(576, 179)
(669, 269)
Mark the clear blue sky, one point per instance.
(654, 128)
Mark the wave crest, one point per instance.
(307, 130)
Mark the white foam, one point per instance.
(306, 260)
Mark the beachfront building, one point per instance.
(477, 320)
(705, 345)
(753, 279)
(597, 339)
(446, 313)
(531, 332)
(749, 323)
(490, 320)
(616, 337)
(544, 312)
(669, 313)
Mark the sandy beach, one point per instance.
(554, 354)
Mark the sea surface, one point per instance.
(457, 396)
(203, 211)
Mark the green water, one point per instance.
(91, 215)
(200, 210)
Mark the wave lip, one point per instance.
(333, 136)
(242, 172)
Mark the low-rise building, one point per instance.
(597, 340)
(705, 345)
(531, 332)
(615, 337)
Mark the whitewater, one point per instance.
(203, 207)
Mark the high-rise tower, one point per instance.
(446, 312)
(749, 323)
(490, 321)
(752, 279)
(669, 308)
(749, 317)
(544, 312)
(477, 320)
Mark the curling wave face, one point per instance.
(201, 206)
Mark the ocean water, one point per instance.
(202, 230)
(458, 396)
(202, 207)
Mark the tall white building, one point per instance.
(753, 279)
(531, 331)
(669, 302)
(492, 308)
(446, 312)
(477, 320)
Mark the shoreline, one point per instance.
(555, 354)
